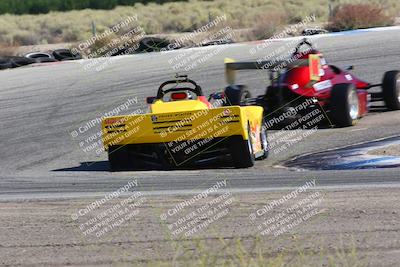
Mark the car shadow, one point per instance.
(376, 109)
(101, 166)
(94, 166)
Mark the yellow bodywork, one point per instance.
(181, 121)
(177, 106)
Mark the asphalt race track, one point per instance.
(40, 106)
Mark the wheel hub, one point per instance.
(250, 144)
(264, 140)
(398, 89)
(353, 105)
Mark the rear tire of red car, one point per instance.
(236, 95)
(242, 151)
(344, 106)
(391, 89)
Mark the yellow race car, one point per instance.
(185, 129)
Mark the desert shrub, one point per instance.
(7, 50)
(358, 16)
(169, 17)
(268, 24)
(25, 38)
(70, 36)
(101, 46)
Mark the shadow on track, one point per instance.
(94, 166)
(103, 166)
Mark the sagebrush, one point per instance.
(358, 16)
(76, 26)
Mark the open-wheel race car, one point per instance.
(306, 75)
(185, 129)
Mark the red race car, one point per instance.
(307, 76)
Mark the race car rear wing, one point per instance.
(231, 66)
(262, 65)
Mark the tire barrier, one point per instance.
(153, 44)
(9, 62)
(35, 55)
(66, 54)
(5, 63)
(217, 42)
(313, 31)
(147, 44)
(45, 60)
(15, 62)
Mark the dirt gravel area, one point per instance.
(345, 228)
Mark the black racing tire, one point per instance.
(66, 54)
(68, 59)
(5, 63)
(242, 151)
(120, 52)
(45, 60)
(152, 44)
(236, 95)
(391, 89)
(35, 55)
(344, 105)
(313, 31)
(118, 158)
(39, 57)
(217, 42)
(264, 141)
(21, 61)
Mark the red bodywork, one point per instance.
(299, 82)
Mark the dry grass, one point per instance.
(267, 24)
(251, 253)
(75, 26)
(8, 50)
